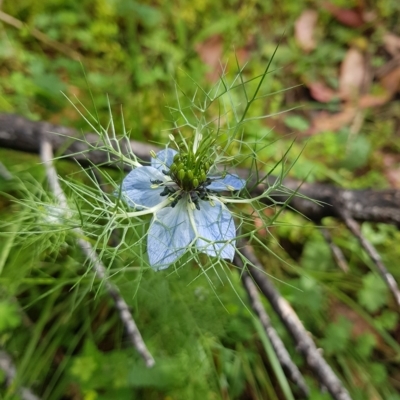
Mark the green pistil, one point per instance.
(187, 172)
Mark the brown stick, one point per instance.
(7, 366)
(388, 278)
(280, 350)
(100, 270)
(62, 48)
(304, 342)
(18, 133)
(335, 250)
(363, 205)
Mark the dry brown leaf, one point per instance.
(346, 16)
(260, 223)
(391, 81)
(391, 42)
(243, 54)
(304, 30)
(321, 92)
(210, 52)
(352, 74)
(390, 84)
(393, 177)
(352, 77)
(391, 164)
(372, 100)
(331, 122)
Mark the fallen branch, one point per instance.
(61, 47)
(388, 278)
(21, 134)
(336, 251)
(303, 340)
(9, 370)
(282, 354)
(126, 317)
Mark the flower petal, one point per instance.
(215, 223)
(230, 181)
(136, 187)
(169, 235)
(164, 159)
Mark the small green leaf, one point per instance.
(365, 344)
(374, 292)
(317, 255)
(296, 122)
(9, 316)
(387, 320)
(378, 373)
(357, 151)
(83, 368)
(337, 336)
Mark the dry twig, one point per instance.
(336, 252)
(62, 48)
(100, 271)
(304, 342)
(21, 134)
(7, 366)
(280, 350)
(354, 227)
(362, 205)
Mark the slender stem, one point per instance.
(39, 35)
(100, 270)
(280, 350)
(9, 370)
(303, 340)
(374, 255)
(336, 251)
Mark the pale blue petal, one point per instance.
(215, 223)
(169, 235)
(164, 159)
(136, 187)
(220, 184)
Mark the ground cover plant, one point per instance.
(83, 315)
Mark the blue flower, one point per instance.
(180, 190)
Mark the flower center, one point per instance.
(189, 172)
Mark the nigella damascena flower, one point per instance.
(180, 189)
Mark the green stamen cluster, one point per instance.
(188, 172)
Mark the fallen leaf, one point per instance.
(346, 16)
(391, 164)
(352, 74)
(391, 81)
(321, 92)
(393, 176)
(391, 42)
(390, 84)
(243, 54)
(260, 225)
(304, 30)
(331, 122)
(372, 100)
(210, 52)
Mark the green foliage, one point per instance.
(317, 255)
(374, 292)
(9, 316)
(297, 122)
(337, 337)
(56, 320)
